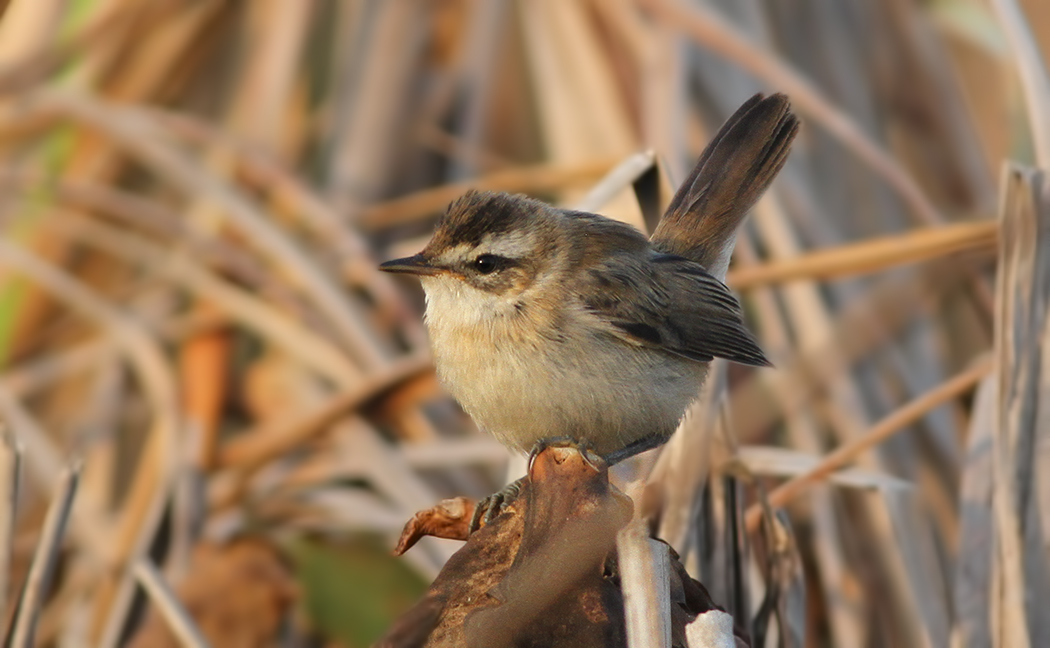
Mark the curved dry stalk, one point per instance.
(1035, 82)
(37, 65)
(142, 351)
(711, 31)
(26, 379)
(253, 313)
(326, 223)
(143, 138)
(870, 255)
(274, 438)
(266, 171)
(540, 177)
(141, 213)
(157, 382)
(895, 422)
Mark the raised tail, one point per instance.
(731, 175)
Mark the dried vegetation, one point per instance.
(213, 403)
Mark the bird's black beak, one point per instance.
(416, 264)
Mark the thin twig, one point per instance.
(44, 559)
(895, 422)
(179, 620)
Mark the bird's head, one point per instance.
(495, 243)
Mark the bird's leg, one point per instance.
(489, 508)
(635, 447)
(583, 447)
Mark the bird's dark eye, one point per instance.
(488, 263)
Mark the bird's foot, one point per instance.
(582, 446)
(489, 508)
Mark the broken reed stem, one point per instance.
(179, 620)
(645, 577)
(620, 177)
(884, 429)
(44, 559)
(871, 255)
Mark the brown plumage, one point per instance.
(548, 322)
(733, 172)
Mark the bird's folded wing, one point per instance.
(671, 303)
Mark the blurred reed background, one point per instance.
(195, 340)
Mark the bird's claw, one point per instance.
(593, 459)
(489, 508)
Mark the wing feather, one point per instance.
(669, 302)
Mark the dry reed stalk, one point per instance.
(645, 576)
(37, 375)
(255, 447)
(238, 305)
(871, 255)
(710, 30)
(1035, 80)
(1019, 563)
(281, 102)
(973, 591)
(161, 595)
(10, 473)
(894, 423)
(149, 364)
(141, 137)
(535, 179)
(807, 317)
(44, 560)
(317, 215)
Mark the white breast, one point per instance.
(523, 381)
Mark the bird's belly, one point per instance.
(608, 395)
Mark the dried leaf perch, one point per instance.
(543, 573)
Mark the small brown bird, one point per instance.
(547, 322)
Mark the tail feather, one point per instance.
(731, 175)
